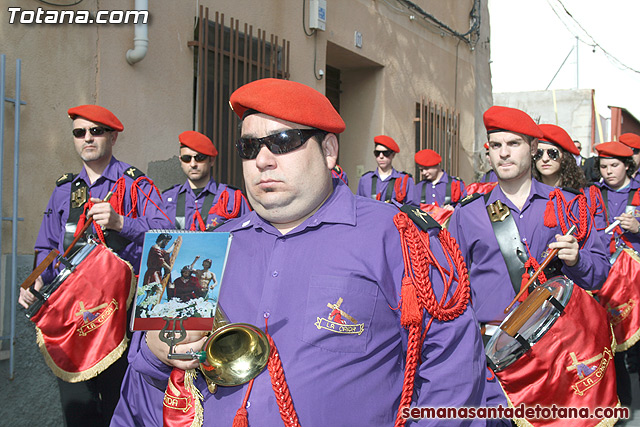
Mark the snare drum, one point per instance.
(556, 349)
(620, 296)
(81, 324)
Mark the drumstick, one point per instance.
(86, 226)
(534, 276)
(613, 225)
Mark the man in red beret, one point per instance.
(122, 221)
(438, 187)
(503, 233)
(632, 141)
(386, 183)
(201, 203)
(321, 270)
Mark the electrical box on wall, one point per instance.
(317, 14)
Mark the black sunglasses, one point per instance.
(95, 131)
(386, 153)
(553, 154)
(278, 143)
(198, 158)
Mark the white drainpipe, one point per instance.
(140, 38)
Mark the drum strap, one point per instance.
(388, 194)
(180, 209)
(605, 199)
(447, 194)
(508, 237)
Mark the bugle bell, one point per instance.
(233, 354)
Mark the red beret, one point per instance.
(96, 114)
(427, 158)
(613, 149)
(287, 100)
(505, 119)
(556, 135)
(630, 140)
(388, 142)
(198, 142)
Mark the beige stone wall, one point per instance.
(401, 60)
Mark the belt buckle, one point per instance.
(497, 211)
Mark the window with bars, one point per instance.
(438, 128)
(225, 59)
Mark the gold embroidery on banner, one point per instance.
(497, 211)
(338, 325)
(620, 312)
(94, 321)
(79, 197)
(589, 375)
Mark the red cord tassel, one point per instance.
(240, 420)
(550, 215)
(410, 314)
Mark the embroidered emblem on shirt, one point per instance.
(131, 172)
(336, 321)
(618, 313)
(589, 371)
(93, 318)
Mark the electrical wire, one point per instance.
(473, 32)
(593, 44)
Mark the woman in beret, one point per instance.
(554, 161)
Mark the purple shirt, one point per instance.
(617, 201)
(492, 289)
(347, 253)
(52, 229)
(436, 192)
(193, 202)
(366, 183)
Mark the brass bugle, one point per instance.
(235, 353)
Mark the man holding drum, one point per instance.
(513, 140)
(506, 234)
(122, 221)
(311, 250)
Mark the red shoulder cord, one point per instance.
(456, 193)
(563, 214)
(417, 293)
(280, 389)
(119, 190)
(220, 207)
(400, 188)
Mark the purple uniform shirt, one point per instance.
(348, 253)
(366, 183)
(436, 192)
(52, 229)
(617, 202)
(193, 202)
(488, 274)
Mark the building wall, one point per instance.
(572, 110)
(401, 60)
